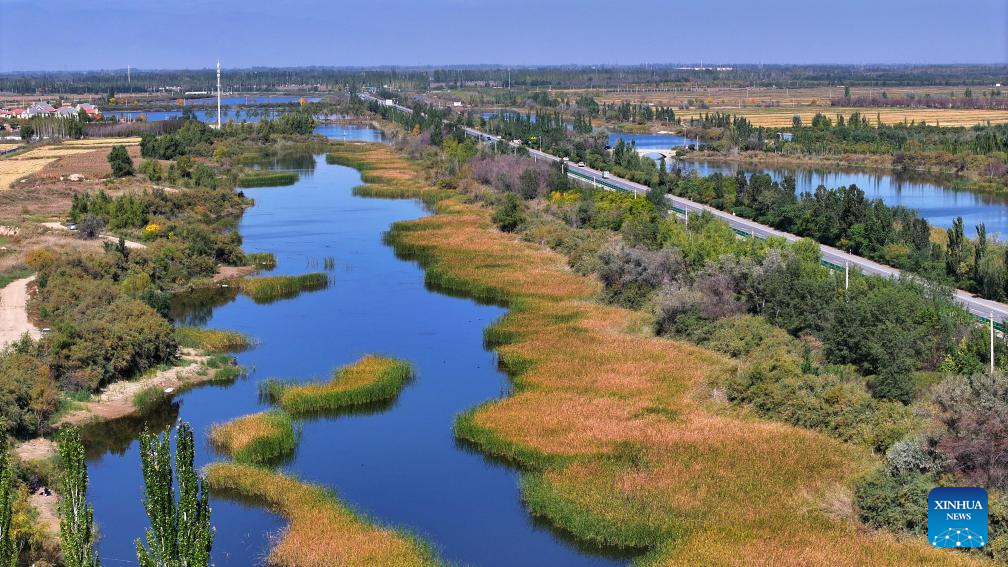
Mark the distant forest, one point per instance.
(403, 78)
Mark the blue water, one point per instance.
(235, 100)
(400, 464)
(227, 114)
(654, 141)
(939, 203)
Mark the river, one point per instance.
(939, 203)
(399, 464)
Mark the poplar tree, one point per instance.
(180, 534)
(77, 533)
(8, 546)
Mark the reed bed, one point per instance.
(258, 439)
(211, 340)
(620, 444)
(321, 532)
(267, 289)
(261, 260)
(261, 178)
(371, 379)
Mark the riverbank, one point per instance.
(619, 439)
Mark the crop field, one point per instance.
(618, 435)
(91, 160)
(753, 96)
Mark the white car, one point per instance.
(581, 164)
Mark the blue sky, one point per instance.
(98, 34)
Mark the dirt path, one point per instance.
(13, 313)
(109, 237)
(116, 400)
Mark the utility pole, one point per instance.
(218, 96)
(846, 275)
(992, 343)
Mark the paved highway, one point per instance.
(833, 257)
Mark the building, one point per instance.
(785, 136)
(89, 109)
(65, 112)
(38, 109)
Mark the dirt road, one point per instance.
(13, 315)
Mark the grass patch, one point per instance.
(211, 340)
(261, 178)
(321, 530)
(267, 289)
(257, 439)
(261, 260)
(14, 273)
(148, 399)
(371, 379)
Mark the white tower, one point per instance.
(218, 96)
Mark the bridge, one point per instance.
(982, 309)
(663, 152)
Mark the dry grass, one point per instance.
(621, 446)
(322, 532)
(259, 438)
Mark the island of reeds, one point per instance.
(371, 379)
(266, 289)
(321, 531)
(257, 439)
(263, 178)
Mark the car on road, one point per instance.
(581, 164)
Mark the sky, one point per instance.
(111, 34)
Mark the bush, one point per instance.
(894, 502)
(510, 216)
(90, 226)
(122, 164)
(974, 412)
(631, 274)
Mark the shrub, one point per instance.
(509, 216)
(122, 164)
(90, 226)
(894, 502)
(974, 412)
(630, 274)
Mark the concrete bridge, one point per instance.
(666, 153)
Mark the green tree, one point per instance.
(956, 249)
(180, 534)
(77, 533)
(510, 215)
(27, 132)
(8, 544)
(122, 164)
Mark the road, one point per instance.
(13, 312)
(835, 258)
